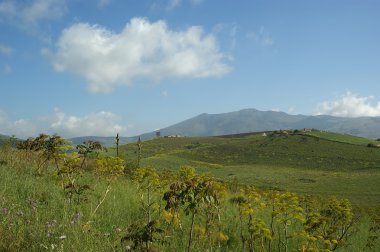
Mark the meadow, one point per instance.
(319, 163)
(250, 193)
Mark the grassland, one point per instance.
(320, 163)
(342, 138)
(37, 212)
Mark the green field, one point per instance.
(321, 163)
(342, 138)
(108, 206)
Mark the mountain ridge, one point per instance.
(253, 120)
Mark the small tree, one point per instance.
(89, 149)
(46, 148)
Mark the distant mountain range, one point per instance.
(252, 120)
(105, 141)
(3, 139)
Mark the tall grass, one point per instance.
(36, 215)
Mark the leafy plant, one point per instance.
(142, 236)
(194, 193)
(252, 228)
(148, 182)
(329, 228)
(69, 175)
(46, 148)
(89, 149)
(109, 168)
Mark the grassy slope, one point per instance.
(343, 138)
(330, 164)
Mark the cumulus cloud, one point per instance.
(5, 50)
(350, 105)
(27, 14)
(261, 37)
(142, 50)
(21, 127)
(98, 124)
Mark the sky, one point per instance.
(79, 67)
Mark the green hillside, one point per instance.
(320, 163)
(343, 138)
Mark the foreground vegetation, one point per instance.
(53, 197)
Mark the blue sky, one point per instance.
(78, 67)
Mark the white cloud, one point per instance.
(21, 128)
(261, 37)
(103, 3)
(5, 50)
(165, 93)
(350, 105)
(98, 124)
(27, 14)
(142, 50)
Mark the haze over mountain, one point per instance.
(251, 120)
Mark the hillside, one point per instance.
(302, 163)
(98, 208)
(252, 120)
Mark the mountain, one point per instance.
(252, 120)
(105, 141)
(4, 139)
